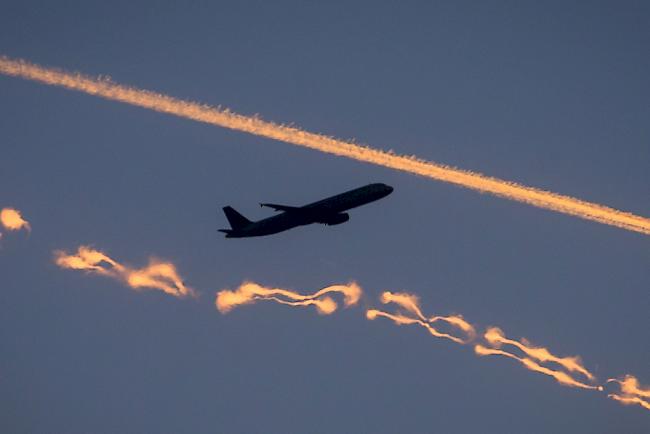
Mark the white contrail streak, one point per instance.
(224, 118)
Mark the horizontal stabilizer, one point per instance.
(277, 207)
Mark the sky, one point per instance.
(550, 95)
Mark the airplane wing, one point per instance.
(277, 207)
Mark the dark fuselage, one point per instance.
(327, 211)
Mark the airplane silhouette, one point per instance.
(327, 211)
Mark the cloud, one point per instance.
(13, 220)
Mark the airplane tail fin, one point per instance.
(236, 220)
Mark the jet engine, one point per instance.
(336, 219)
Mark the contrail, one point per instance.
(157, 275)
(163, 276)
(401, 319)
(560, 376)
(566, 371)
(494, 337)
(534, 358)
(222, 117)
(410, 304)
(631, 392)
(13, 220)
(249, 292)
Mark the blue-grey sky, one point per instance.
(553, 95)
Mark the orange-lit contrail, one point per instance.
(409, 312)
(249, 292)
(400, 319)
(496, 338)
(560, 376)
(157, 275)
(13, 220)
(629, 400)
(631, 392)
(410, 304)
(222, 117)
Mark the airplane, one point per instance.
(327, 211)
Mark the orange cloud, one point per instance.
(13, 220)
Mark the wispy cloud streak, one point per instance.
(222, 117)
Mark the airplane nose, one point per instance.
(388, 188)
